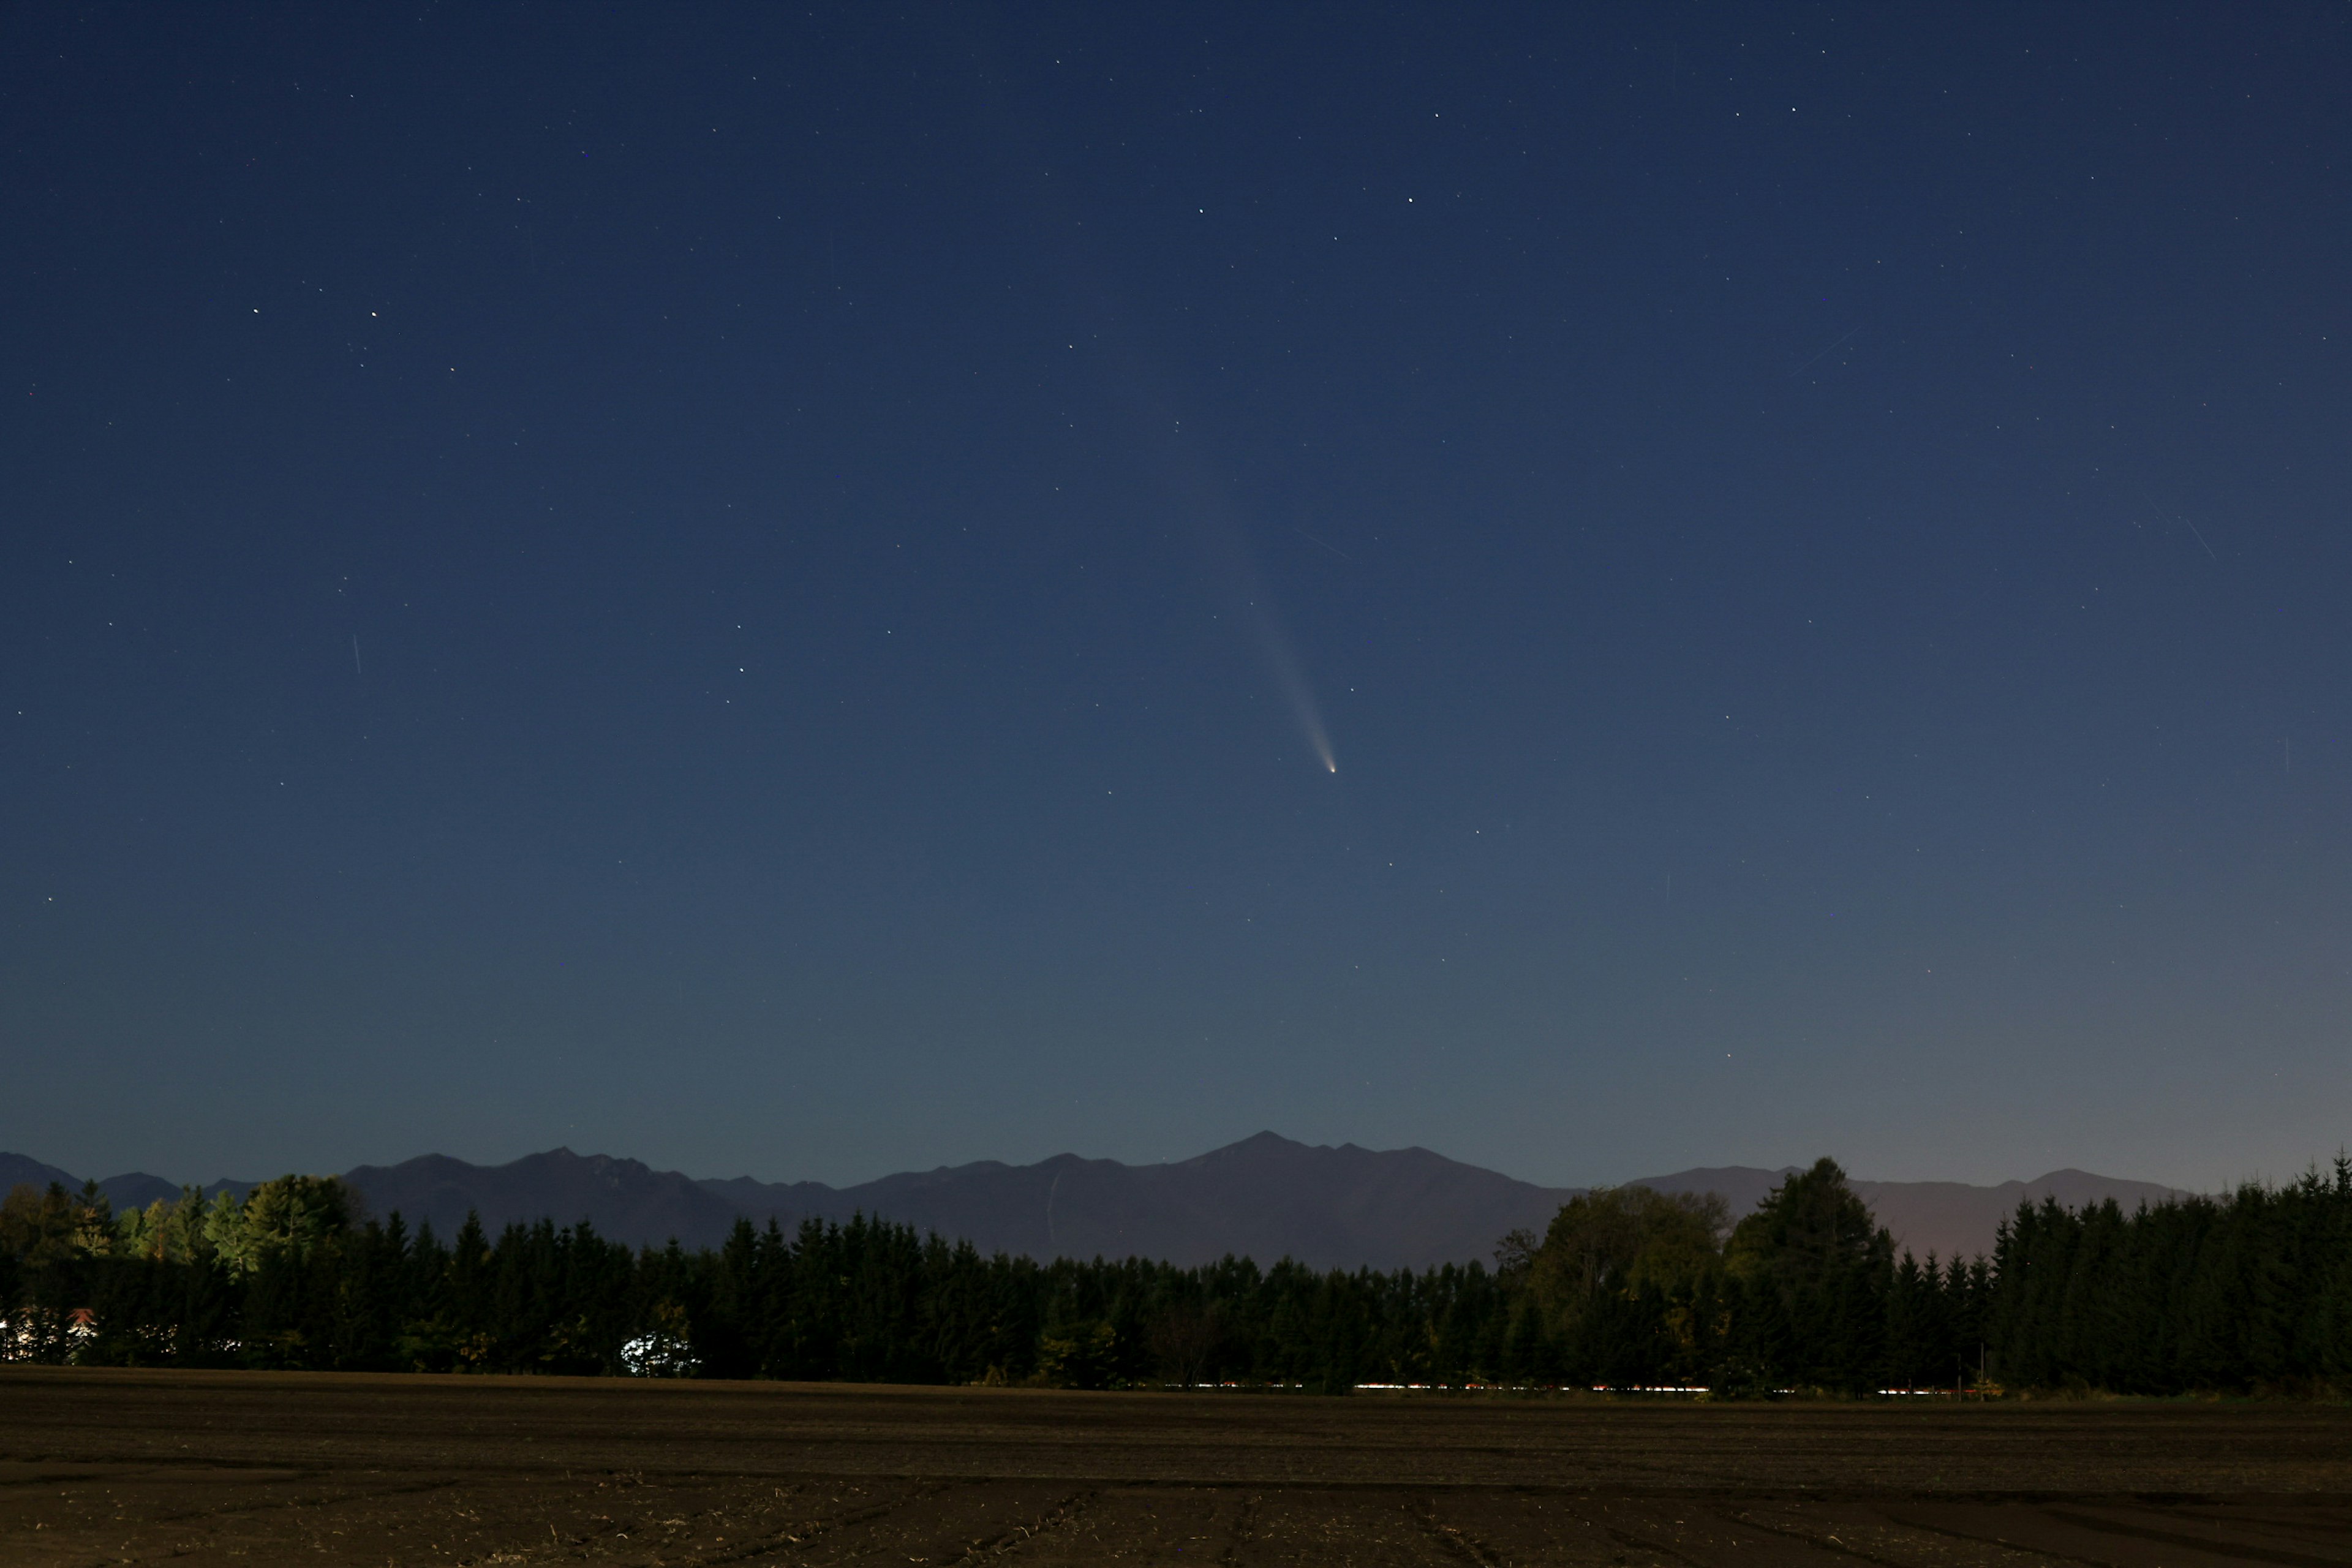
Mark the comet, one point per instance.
(1290, 678)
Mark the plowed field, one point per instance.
(199, 1470)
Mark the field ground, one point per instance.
(203, 1468)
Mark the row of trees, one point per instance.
(1628, 1287)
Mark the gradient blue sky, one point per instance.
(754, 589)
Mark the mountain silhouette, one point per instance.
(1950, 1219)
(1264, 1198)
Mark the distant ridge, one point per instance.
(1264, 1198)
(626, 1200)
(17, 1169)
(1950, 1219)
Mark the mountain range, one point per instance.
(1264, 1197)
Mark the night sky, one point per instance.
(816, 593)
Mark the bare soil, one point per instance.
(249, 1468)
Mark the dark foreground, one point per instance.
(199, 1469)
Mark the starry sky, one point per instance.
(815, 593)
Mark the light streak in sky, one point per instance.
(1227, 546)
(1291, 678)
(1190, 476)
(1224, 541)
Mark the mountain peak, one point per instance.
(1257, 1145)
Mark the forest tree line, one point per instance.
(1627, 1289)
